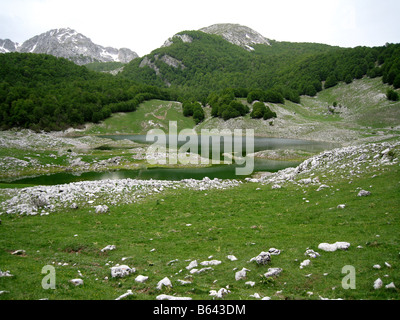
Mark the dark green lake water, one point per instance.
(176, 174)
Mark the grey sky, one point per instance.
(144, 25)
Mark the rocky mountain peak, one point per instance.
(237, 34)
(8, 46)
(68, 43)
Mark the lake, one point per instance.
(176, 174)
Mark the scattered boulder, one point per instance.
(141, 279)
(305, 263)
(322, 186)
(311, 253)
(241, 274)
(169, 297)
(19, 252)
(108, 248)
(128, 293)
(232, 257)
(390, 286)
(263, 258)
(101, 209)
(274, 251)
(378, 284)
(201, 270)
(220, 293)
(121, 271)
(363, 193)
(76, 282)
(333, 247)
(164, 283)
(210, 263)
(172, 262)
(5, 274)
(273, 272)
(192, 265)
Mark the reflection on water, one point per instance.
(173, 174)
(176, 174)
(217, 142)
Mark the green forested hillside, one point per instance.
(40, 91)
(294, 69)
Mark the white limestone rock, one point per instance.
(109, 248)
(241, 274)
(141, 279)
(273, 272)
(333, 247)
(123, 296)
(169, 297)
(232, 257)
(76, 282)
(164, 283)
(120, 271)
(378, 284)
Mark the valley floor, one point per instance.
(157, 229)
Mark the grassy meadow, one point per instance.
(195, 225)
(162, 233)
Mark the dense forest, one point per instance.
(290, 69)
(43, 92)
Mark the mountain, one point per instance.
(8, 46)
(218, 57)
(237, 34)
(68, 43)
(223, 56)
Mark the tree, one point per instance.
(230, 113)
(396, 82)
(331, 81)
(348, 79)
(187, 109)
(258, 110)
(269, 114)
(198, 113)
(392, 95)
(273, 97)
(310, 91)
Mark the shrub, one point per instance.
(392, 95)
(258, 110)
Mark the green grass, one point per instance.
(150, 114)
(365, 100)
(242, 221)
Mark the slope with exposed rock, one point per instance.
(68, 43)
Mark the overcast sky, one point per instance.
(144, 25)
